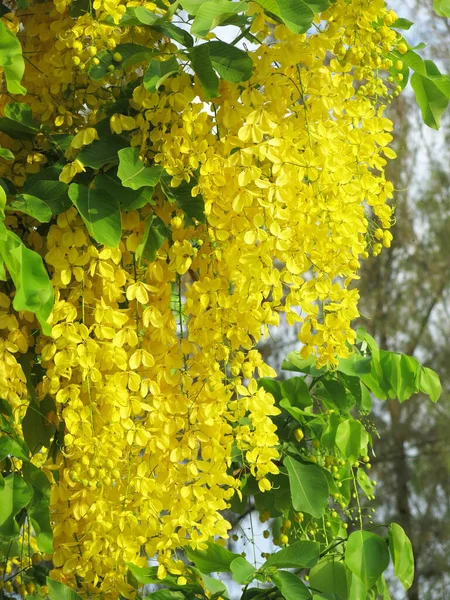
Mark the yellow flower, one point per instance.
(84, 137)
(119, 123)
(153, 366)
(69, 171)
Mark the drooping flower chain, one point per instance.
(153, 366)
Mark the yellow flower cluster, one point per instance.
(59, 49)
(12, 341)
(291, 170)
(153, 366)
(150, 415)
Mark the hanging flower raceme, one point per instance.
(257, 204)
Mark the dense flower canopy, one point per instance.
(266, 195)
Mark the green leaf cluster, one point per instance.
(11, 60)
(442, 8)
(34, 291)
(25, 494)
(431, 87)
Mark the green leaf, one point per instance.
(393, 375)
(6, 154)
(363, 336)
(79, 7)
(242, 571)
(37, 430)
(296, 363)
(146, 575)
(213, 558)
(301, 554)
(175, 33)
(442, 82)
(202, 66)
(155, 235)
(18, 121)
(192, 7)
(297, 15)
(376, 381)
(291, 586)
(431, 100)
(21, 113)
(328, 439)
(256, 593)
(102, 152)
(100, 212)
(131, 54)
(11, 60)
(402, 555)
(132, 171)
(33, 206)
(139, 15)
(297, 413)
(2, 203)
(61, 142)
(192, 206)
(319, 5)
(34, 291)
(272, 386)
(158, 71)
(309, 487)
(59, 591)
(367, 556)
(404, 24)
(353, 386)
(136, 15)
(351, 438)
(383, 589)
(231, 63)
(5, 408)
(143, 16)
(365, 403)
(296, 391)
(406, 385)
(334, 394)
(329, 576)
(13, 447)
(165, 595)
(365, 483)
(214, 585)
(250, 486)
(356, 588)
(46, 185)
(355, 366)
(15, 495)
(39, 509)
(211, 14)
(413, 60)
(429, 383)
(442, 7)
(128, 199)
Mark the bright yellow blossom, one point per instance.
(153, 366)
